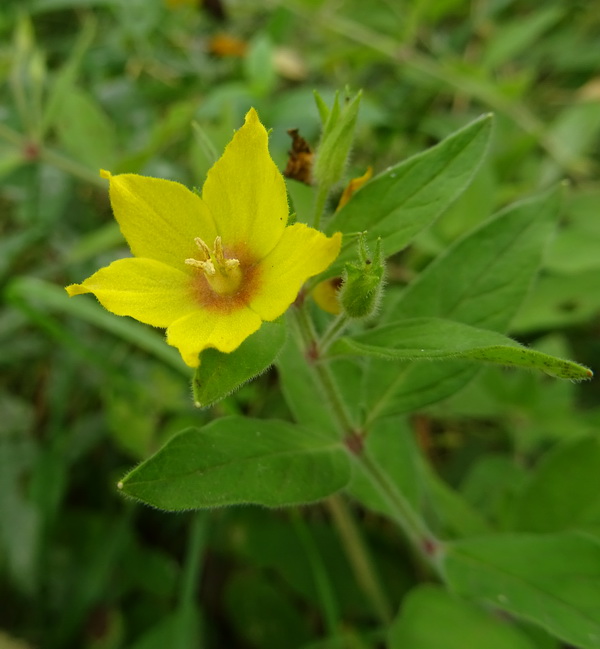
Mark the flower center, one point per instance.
(223, 275)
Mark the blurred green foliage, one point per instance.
(157, 88)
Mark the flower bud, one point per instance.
(336, 139)
(363, 282)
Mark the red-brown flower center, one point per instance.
(223, 274)
(229, 277)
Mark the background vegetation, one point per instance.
(157, 88)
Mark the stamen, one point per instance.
(203, 247)
(219, 255)
(207, 266)
(224, 275)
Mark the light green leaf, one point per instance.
(434, 338)
(403, 200)
(458, 624)
(220, 374)
(563, 493)
(240, 460)
(551, 580)
(85, 130)
(481, 280)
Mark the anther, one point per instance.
(203, 247)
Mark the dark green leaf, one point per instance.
(481, 280)
(458, 624)
(564, 491)
(434, 338)
(220, 374)
(240, 460)
(406, 198)
(552, 580)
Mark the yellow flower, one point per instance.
(210, 269)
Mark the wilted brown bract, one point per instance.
(299, 166)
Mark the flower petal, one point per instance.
(160, 218)
(301, 253)
(325, 294)
(246, 193)
(201, 329)
(145, 289)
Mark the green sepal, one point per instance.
(219, 374)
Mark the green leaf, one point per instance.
(458, 624)
(220, 374)
(563, 493)
(551, 580)
(85, 130)
(481, 280)
(262, 615)
(184, 624)
(240, 460)
(434, 338)
(403, 200)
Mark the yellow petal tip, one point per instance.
(105, 174)
(75, 289)
(252, 117)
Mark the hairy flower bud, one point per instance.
(336, 139)
(363, 282)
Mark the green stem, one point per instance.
(321, 199)
(319, 570)
(193, 559)
(332, 332)
(414, 528)
(186, 630)
(360, 559)
(71, 167)
(411, 523)
(323, 372)
(51, 157)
